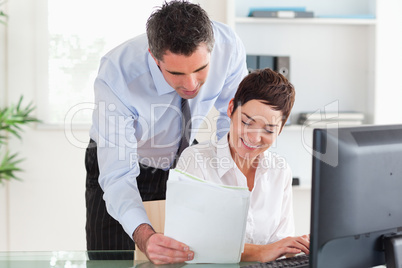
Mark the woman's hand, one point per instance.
(287, 246)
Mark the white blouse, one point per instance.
(270, 216)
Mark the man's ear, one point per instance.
(230, 108)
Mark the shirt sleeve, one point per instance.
(286, 226)
(237, 71)
(113, 130)
(192, 162)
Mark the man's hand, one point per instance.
(160, 249)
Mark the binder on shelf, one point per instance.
(253, 62)
(280, 12)
(210, 218)
(280, 64)
(279, 8)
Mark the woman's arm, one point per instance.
(270, 252)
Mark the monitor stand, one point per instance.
(393, 250)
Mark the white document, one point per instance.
(210, 218)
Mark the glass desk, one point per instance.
(81, 259)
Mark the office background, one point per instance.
(354, 63)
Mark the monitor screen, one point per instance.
(356, 194)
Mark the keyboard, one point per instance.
(298, 261)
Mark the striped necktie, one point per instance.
(185, 130)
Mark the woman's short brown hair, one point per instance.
(268, 86)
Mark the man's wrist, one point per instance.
(141, 235)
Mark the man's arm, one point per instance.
(237, 71)
(114, 134)
(119, 167)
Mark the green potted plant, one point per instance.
(12, 118)
(3, 16)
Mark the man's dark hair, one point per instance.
(269, 87)
(180, 27)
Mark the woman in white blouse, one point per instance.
(258, 113)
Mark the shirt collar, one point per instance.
(162, 87)
(223, 154)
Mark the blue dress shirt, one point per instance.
(138, 120)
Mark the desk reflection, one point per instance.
(82, 259)
(189, 265)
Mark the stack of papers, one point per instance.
(210, 218)
(325, 118)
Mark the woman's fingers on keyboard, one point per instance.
(303, 244)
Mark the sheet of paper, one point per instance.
(211, 219)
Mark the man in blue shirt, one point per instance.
(137, 124)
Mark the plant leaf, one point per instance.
(12, 119)
(8, 166)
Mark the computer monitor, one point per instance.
(356, 194)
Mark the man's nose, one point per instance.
(190, 82)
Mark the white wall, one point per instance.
(3, 188)
(301, 209)
(46, 209)
(216, 9)
(387, 101)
